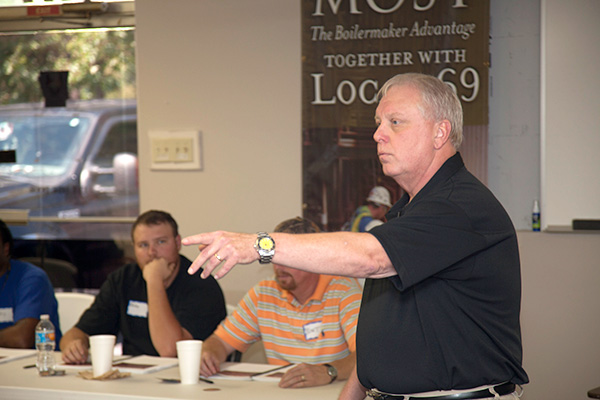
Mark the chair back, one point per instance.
(71, 306)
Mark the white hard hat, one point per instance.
(380, 195)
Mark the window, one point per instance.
(76, 166)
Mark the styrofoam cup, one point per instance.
(188, 353)
(101, 348)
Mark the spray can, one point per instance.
(535, 217)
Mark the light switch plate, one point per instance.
(175, 150)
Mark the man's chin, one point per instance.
(286, 283)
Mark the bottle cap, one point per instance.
(44, 316)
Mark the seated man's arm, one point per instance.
(306, 375)
(165, 329)
(74, 345)
(214, 352)
(21, 335)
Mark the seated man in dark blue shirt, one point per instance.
(149, 302)
(25, 294)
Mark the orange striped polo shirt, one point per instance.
(319, 331)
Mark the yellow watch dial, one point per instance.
(265, 243)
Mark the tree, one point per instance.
(101, 64)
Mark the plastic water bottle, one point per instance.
(535, 217)
(45, 344)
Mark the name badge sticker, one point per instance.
(6, 314)
(312, 330)
(137, 309)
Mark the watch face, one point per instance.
(265, 243)
(332, 372)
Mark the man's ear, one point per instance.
(442, 133)
(6, 249)
(178, 242)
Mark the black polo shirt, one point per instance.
(122, 304)
(450, 318)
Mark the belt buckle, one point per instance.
(376, 395)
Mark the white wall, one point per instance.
(514, 107)
(232, 69)
(559, 314)
(570, 55)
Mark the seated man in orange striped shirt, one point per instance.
(302, 318)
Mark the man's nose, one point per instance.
(378, 134)
(152, 249)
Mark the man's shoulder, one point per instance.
(124, 275)
(341, 283)
(18, 265)
(184, 262)
(267, 286)
(340, 291)
(126, 270)
(266, 290)
(27, 270)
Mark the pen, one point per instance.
(29, 366)
(271, 370)
(175, 380)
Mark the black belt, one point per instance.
(503, 389)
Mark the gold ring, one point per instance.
(218, 257)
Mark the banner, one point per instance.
(349, 49)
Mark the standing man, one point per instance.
(302, 318)
(371, 214)
(25, 293)
(440, 312)
(148, 301)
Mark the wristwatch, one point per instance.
(265, 246)
(331, 371)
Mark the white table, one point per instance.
(18, 383)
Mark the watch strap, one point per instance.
(332, 372)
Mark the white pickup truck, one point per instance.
(73, 161)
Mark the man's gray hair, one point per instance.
(439, 101)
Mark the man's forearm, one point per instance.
(214, 352)
(341, 253)
(19, 335)
(165, 329)
(345, 366)
(73, 334)
(336, 253)
(216, 346)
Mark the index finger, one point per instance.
(202, 240)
